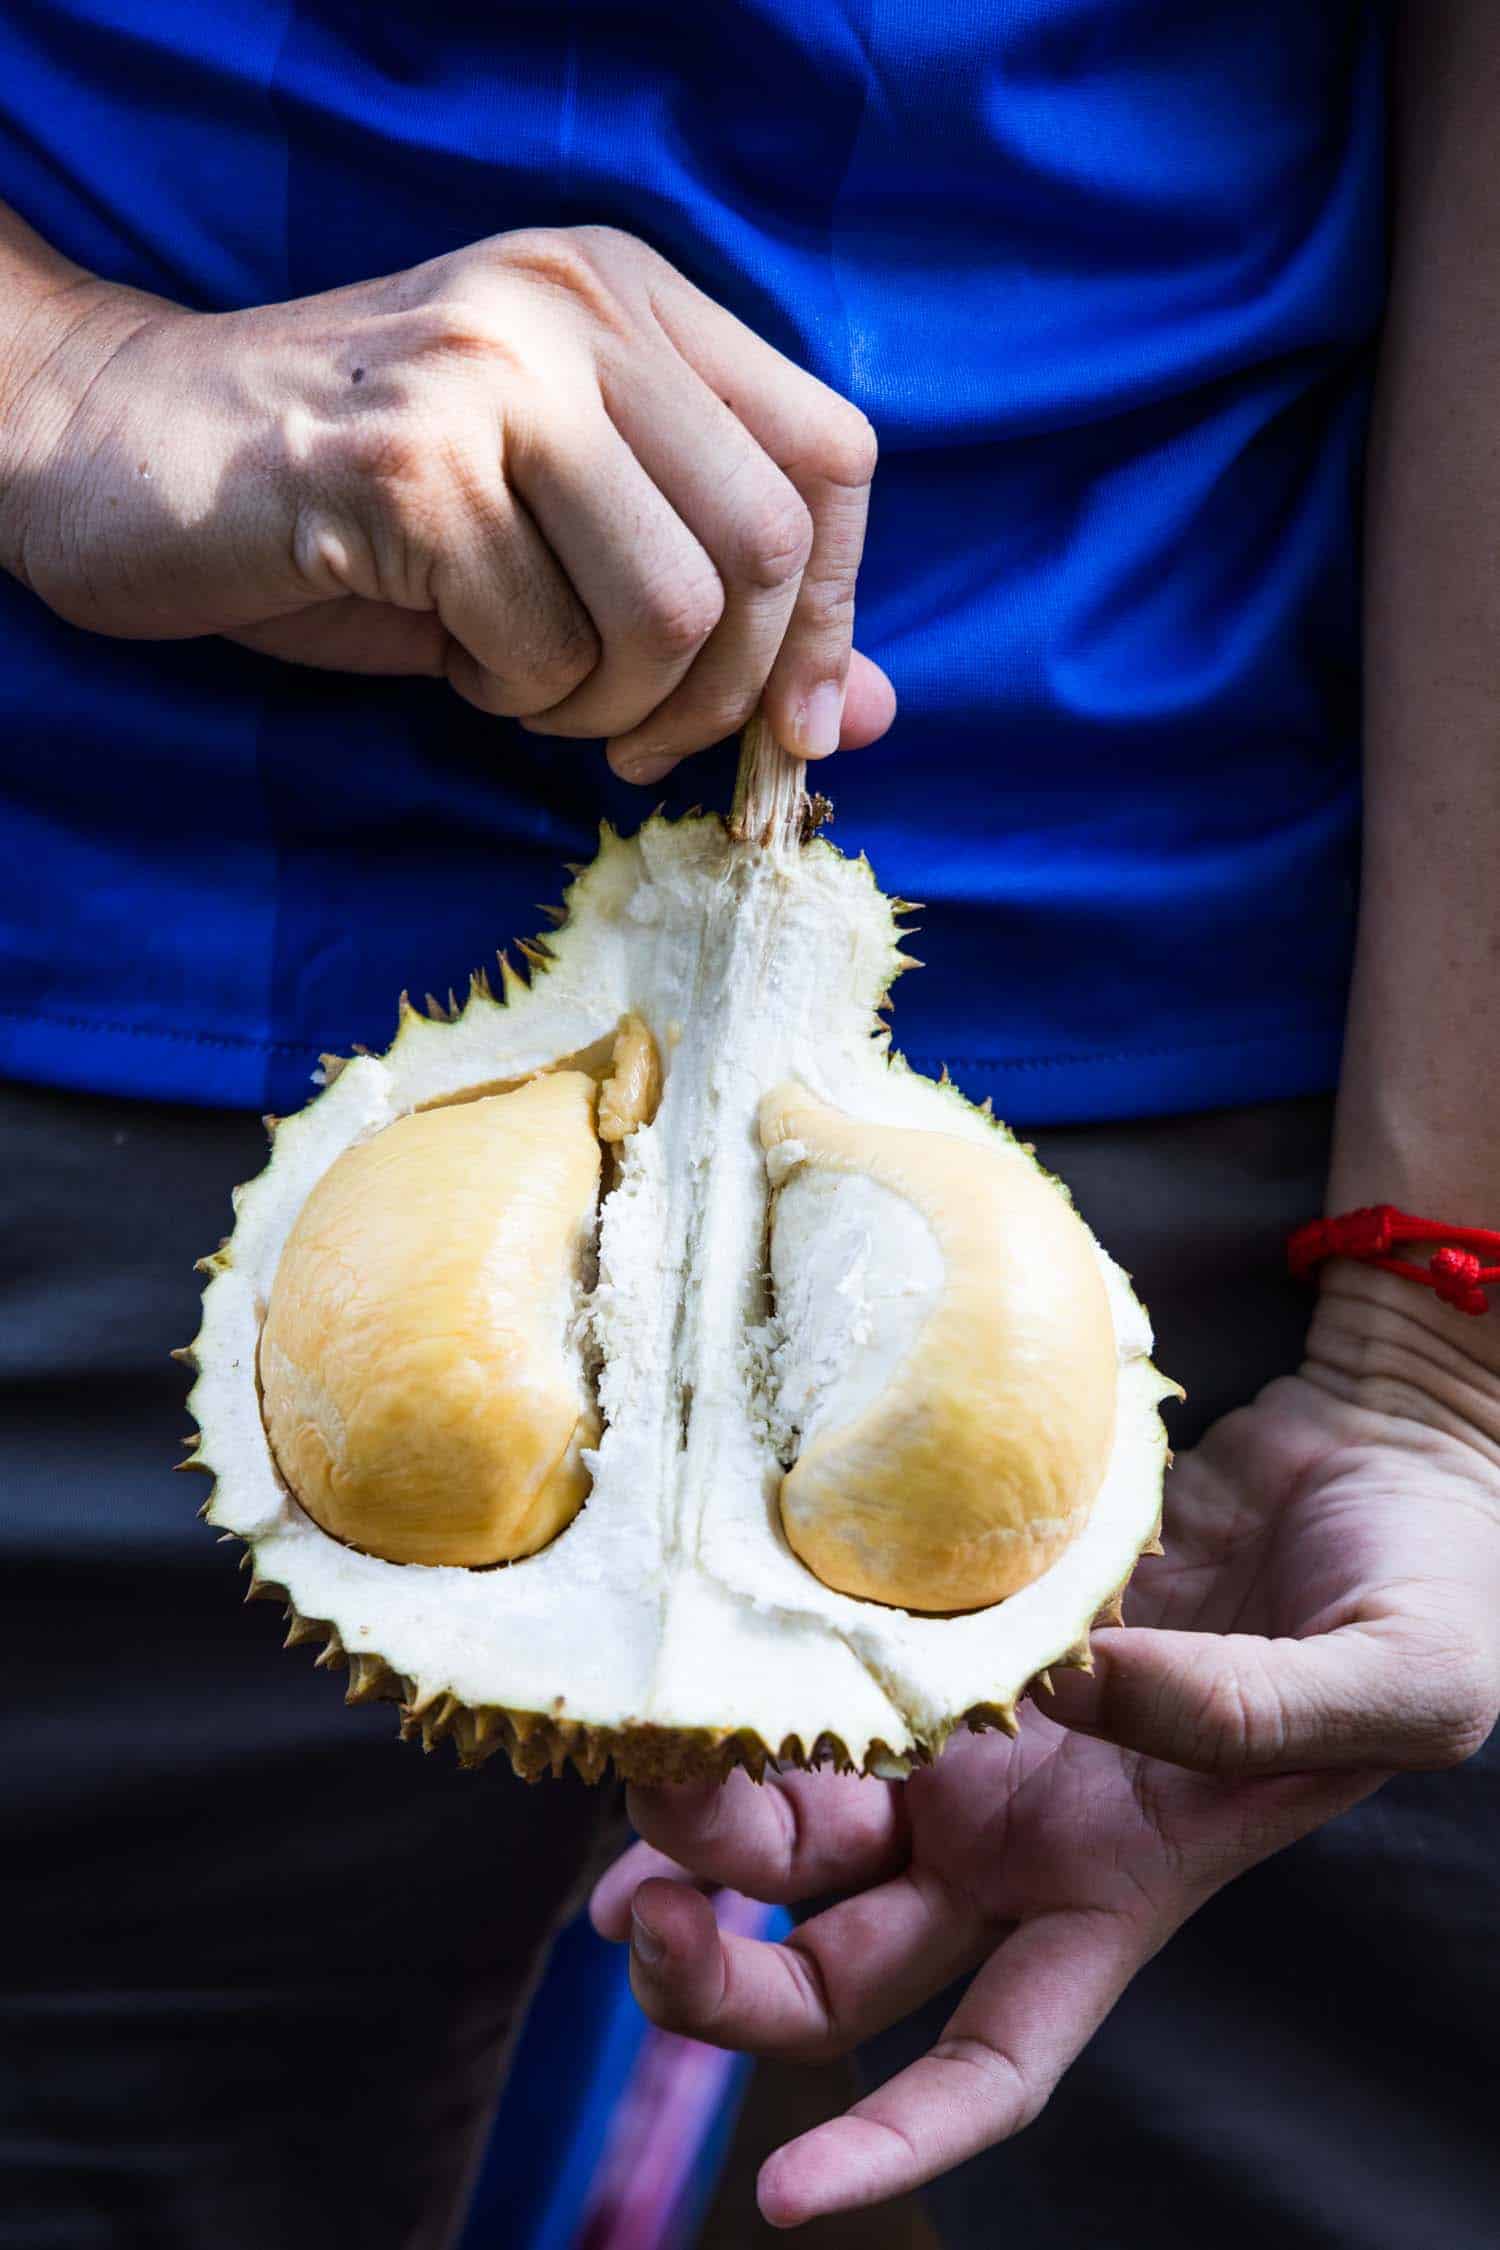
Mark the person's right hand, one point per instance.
(546, 466)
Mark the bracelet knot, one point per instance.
(1453, 1271)
(1455, 1277)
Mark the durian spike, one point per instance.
(771, 805)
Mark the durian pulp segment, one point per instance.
(957, 1475)
(422, 1382)
(672, 1600)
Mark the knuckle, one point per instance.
(676, 619)
(774, 541)
(549, 675)
(827, 604)
(1230, 1731)
(1010, 2089)
(583, 264)
(604, 245)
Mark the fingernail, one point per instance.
(645, 1944)
(819, 720)
(647, 768)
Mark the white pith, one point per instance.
(672, 1600)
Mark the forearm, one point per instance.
(1419, 1105)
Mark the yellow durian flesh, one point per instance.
(422, 1394)
(978, 1460)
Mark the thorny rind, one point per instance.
(542, 1742)
(773, 809)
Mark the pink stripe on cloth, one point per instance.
(661, 2124)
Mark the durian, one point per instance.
(650, 1366)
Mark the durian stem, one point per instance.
(771, 804)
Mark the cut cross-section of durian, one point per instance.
(669, 1623)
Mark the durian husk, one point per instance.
(772, 813)
(547, 1742)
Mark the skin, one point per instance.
(545, 467)
(1326, 1611)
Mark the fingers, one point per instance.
(843, 1976)
(804, 695)
(790, 1838)
(520, 639)
(650, 590)
(609, 1901)
(869, 708)
(826, 449)
(796, 1836)
(754, 527)
(1023, 2020)
(683, 522)
(1363, 1696)
(869, 704)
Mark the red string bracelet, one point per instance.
(1454, 1270)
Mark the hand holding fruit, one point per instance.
(1325, 1613)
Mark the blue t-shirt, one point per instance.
(1105, 274)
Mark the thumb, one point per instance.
(1236, 1703)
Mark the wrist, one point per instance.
(67, 327)
(1379, 1342)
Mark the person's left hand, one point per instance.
(1332, 1583)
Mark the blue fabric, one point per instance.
(1105, 275)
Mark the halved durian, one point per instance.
(828, 1354)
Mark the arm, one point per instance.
(1419, 1106)
(513, 467)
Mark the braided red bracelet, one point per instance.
(1454, 1271)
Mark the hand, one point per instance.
(546, 467)
(1330, 1591)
